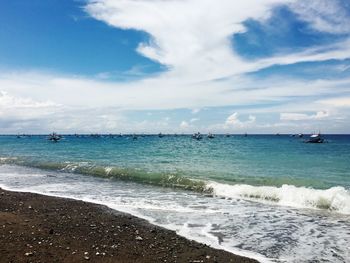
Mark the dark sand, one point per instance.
(38, 228)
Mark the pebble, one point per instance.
(139, 238)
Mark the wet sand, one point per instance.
(38, 228)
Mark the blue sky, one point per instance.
(59, 36)
(174, 66)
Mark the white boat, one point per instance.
(315, 138)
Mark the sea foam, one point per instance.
(333, 199)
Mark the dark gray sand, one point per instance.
(38, 228)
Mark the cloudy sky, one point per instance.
(174, 66)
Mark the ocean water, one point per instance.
(270, 197)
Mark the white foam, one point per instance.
(333, 199)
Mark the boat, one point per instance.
(227, 135)
(160, 135)
(197, 136)
(315, 138)
(211, 136)
(300, 135)
(54, 137)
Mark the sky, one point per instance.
(174, 66)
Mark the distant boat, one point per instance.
(197, 136)
(227, 135)
(245, 135)
(160, 135)
(300, 135)
(211, 136)
(134, 137)
(315, 138)
(54, 137)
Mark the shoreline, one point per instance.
(40, 228)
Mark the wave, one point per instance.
(173, 180)
(335, 199)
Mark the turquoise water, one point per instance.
(270, 197)
(255, 160)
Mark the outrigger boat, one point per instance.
(211, 136)
(197, 136)
(54, 137)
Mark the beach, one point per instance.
(39, 228)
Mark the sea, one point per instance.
(268, 197)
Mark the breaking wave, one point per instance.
(335, 199)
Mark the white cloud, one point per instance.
(324, 15)
(9, 102)
(184, 125)
(302, 117)
(191, 38)
(337, 102)
(12, 107)
(195, 42)
(234, 121)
